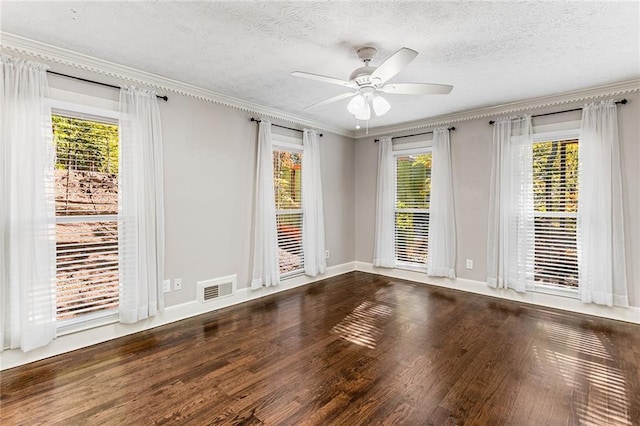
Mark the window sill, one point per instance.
(412, 267)
(556, 290)
(75, 325)
(292, 274)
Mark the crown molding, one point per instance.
(62, 56)
(609, 90)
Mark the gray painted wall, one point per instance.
(210, 154)
(471, 163)
(209, 179)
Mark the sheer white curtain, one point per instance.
(385, 250)
(266, 268)
(601, 258)
(141, 209)
(312, 206)
(510, 240)
(27, 212)
(441, 260)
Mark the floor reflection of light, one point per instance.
(364, 325)
(577, 339)
(599, 392)
(385, 295)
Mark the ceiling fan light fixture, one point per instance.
(380, 105)
(366, 82)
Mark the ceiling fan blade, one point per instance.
(323, 78)
(331, 100)
(416, 89)
(394, 64)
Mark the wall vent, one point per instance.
(216, 288)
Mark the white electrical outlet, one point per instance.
(327, 254)
(167, 285)
(469, 263)
(177, 284)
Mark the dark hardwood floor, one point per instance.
(354, 349)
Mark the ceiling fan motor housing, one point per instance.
(362, 75)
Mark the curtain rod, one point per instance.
(620, 102)
(415, 134)
(165, 98)
(257, 120)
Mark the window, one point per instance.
(555, 192)
(287, 170)
(413, 190)
(86, 205)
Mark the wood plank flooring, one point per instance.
(357, 349)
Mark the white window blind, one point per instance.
(287, 170)
(86, 198)
(413, 189)
(555, 187)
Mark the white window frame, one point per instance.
(61, 106)
(291, 144)
(551, 133)
(400, 150)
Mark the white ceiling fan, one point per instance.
(367, 83)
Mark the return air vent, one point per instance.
(216, 288)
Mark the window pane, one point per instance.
(413, 181)
(412, 234)
(413, 193)
(556, 254)
(555, 176)
(287, 168)
(86, 168)
(290, 254)
(86, 184)
(555, 186)
(287, 176)
(87, 267)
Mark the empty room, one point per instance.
(320, 212)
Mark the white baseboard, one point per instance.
(631, 314)
(70, 342)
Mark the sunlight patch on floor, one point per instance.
(599, 391)
(363, 326)
(579, 340)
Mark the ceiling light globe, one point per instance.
(380, 105)
(365, 113)
(356, 105)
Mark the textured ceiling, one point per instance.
(492, 52)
